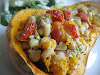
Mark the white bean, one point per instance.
(87, 32)
(59, 57)
(72, 46)
(74, 11)
(85, 24)
(40, 31)
(46, 53)
(82, 30)
(31, 36)
(78, 42)
(61, 46)
(82, 48)
(77, 21)
(34, 55)
(34, 42)
(63, 53)
(47, 29)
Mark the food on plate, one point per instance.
(55, 41)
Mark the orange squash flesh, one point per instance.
(15, 45)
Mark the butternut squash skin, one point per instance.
(16, 51)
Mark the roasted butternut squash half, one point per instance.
(55, 41)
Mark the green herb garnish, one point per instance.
(51, 2)
(34, 4)
(5, 18)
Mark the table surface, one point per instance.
(7, 68)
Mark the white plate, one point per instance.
(6, 67)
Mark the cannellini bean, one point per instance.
(78, 42)
(74, 11)
(87, 32)
(70, 53)
(46, 53)
(40, 31)
(82, 48)
(34, 42)
(59, 57)
(85, 24)
(25, 45)
(82, 30)
(19, 34)
(45, 39)
(31, 36)
(76, 17)
(63, 53)
(48, 45)
(77, 22)
(34, 55)
(72, 46)
(61, 46)
(47, 29)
